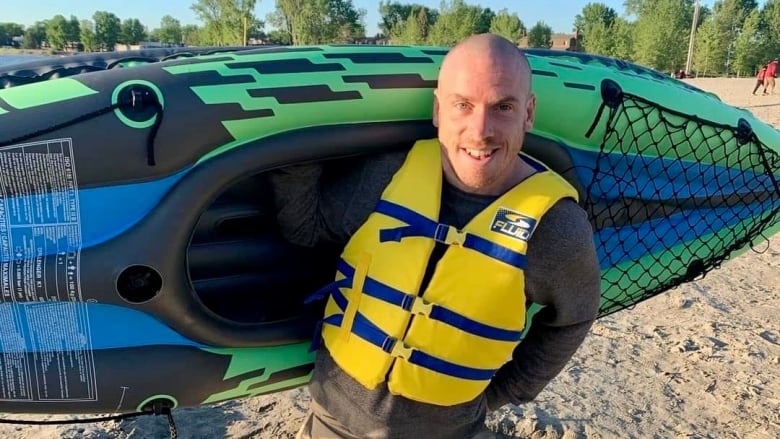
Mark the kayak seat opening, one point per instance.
(243, 270)
(240, 266)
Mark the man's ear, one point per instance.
(530, 112)
(436, 108)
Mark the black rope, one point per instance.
(595, 120)
(640, 134)
(156, 411)
(171, 424)
(74, 121)
(150, 155)
(76, 421)
(768, 167)
(153, 133)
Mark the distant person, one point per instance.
(759, 79)
(769, 77)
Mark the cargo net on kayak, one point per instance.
(673, 196)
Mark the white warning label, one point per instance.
(45, 347)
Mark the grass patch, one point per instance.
(15, 51)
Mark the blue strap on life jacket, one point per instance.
(363, 328)
(419, 225)
(417, 305)
(532, 162)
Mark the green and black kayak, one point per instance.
(141, 263)
(53, 67)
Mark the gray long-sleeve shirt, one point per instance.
(319, 204)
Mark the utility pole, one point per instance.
(689, 62)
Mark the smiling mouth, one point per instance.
(479, 154)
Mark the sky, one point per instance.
(558, 14)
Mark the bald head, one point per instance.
(489, 50)
(483, 106)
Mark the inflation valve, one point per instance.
(139, 103)
(744, 132)
(611, 96)
(138, 283)
(611, 93)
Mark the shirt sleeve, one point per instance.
(325, 203)
(564, 276)
(297, 196)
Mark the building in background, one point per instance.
(570, 42)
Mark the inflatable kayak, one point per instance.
(68, 65)
(141, 264)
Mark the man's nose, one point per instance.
(482, 123)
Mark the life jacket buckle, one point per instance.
(401, 350)
(449, 235)
(421, 306)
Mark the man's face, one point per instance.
(482, 108)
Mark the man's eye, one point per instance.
(461, 106)
(504, 107)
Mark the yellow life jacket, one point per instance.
(444, 344)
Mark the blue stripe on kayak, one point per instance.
(659, 178)
(104, 212)
(64, 326)
(108, 211)
(628, 243)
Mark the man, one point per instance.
(769, 77)
(759, 79)
(446, 248)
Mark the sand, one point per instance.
(699, 361)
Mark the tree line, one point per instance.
(732, 36)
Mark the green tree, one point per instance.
(770, 28)
(486, 17)
(507, 25)
(8, 31)
(249, 23)
(346, 22)
(318, 21)
(395, 14)
(169, 30)
(662, 33)
(35, 35)
(708, 55)
(594, 13)
(747, 49)
(87, 36)
(107, 28)
(277, 36)
(622, 39)
(226, 22)
(73, 30)
(724, 25)
(414, 30)
(191, 35)
(540, 36)
(596, 25)
(132, 31)
(55, 32)
(456, 21)
(599, 39)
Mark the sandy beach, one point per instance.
(699, 361)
